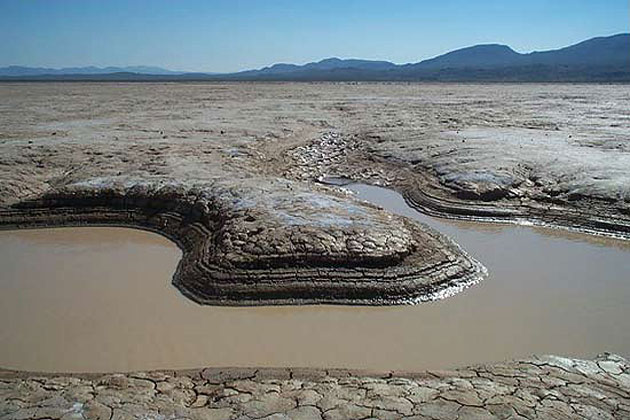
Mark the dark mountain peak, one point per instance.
(601, 51)
(281, 67)
(330, 60)
(486, 48)
(482, 56)
(619, 39)
(334, 63)
(327, 64)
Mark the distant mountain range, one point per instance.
(602, 59)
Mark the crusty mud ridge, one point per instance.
(582, 214)
(478, 194)
(268, 242)
(538, 388)
(590, 216)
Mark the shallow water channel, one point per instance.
(100, 299)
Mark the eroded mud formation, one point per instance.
(267, 241)
(518, 195)
(539, 388)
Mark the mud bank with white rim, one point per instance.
(267, 241)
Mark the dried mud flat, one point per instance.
(553, 155)
(227, 171)
(191, 162)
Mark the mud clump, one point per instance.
(253, 243)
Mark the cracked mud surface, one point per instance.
(548, 387)
(551, 153)
(227, 171)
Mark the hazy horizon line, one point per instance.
(302, 63)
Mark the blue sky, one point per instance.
(239, 34)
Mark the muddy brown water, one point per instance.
(100, 299)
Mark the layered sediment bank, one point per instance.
(58, 287)
(267, 241)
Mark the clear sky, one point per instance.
(229, 35)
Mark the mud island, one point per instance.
(248, 242)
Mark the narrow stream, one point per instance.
(100, 299)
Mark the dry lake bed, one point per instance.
(193, 226)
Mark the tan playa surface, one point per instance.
(525, 149)
(552, 143)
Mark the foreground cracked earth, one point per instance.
(539, 388)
